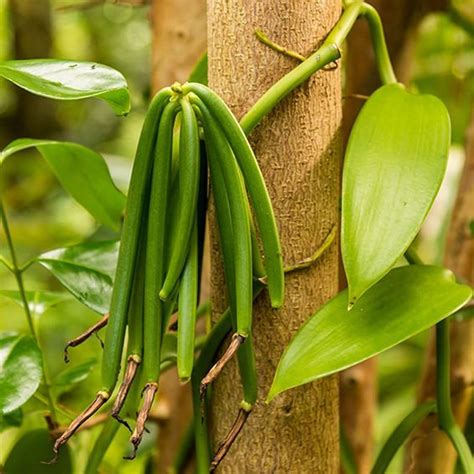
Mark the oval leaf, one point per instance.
(20, 370)
(38, 301)
(394, 164)
(405, 302)
(83, 173)
(86, 270)
(31, 452)
(69, 80)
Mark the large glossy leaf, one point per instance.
(87, 270)
(83, 173)
(38, 301)
(32, 452)
(69, 80)
(405, 302)
(20, 370)
(394, 164)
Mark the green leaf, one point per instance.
(38, 301)
(86, 270)
(31, 452)
(76, 374)
(394, 164)
(69, 80)
(20, 370)
(14, 419)
(405, 302)
(199, 72)
(83, 173)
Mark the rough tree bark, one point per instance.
(31, 25)
(179, 39)
(299, 150)
(358, 397)
(429, 450)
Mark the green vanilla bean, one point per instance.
(238, 206)
(255, 185)
(233, 218)
(187, 305)
(188, 173)
(137, 196)
(400, 435)
(155, 245)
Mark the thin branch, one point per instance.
(97, 3)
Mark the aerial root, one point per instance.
(86, 335)
(236, 341)
(225, 446)
(99, 401)
(133, 363)
(149, 393)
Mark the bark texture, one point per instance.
(179, 39)
(429, 450)
(299, 150)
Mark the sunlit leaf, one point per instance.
(38, 301)
(20, 370)
(394, 164)
(83, 173)
(402, 304)
(87, 270)
(69, 80)
(75, 374)
(32, 451)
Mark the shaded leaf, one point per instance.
(86, 270)
(38, 301)
(405, 302)
(12, 419)
(20, 370)
(69, 80)
(32, 450)
(83, 173)
(76, 374)
(394, 164)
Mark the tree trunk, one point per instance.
(31, 24)
(299, 150)
(429, 450)
(179, 39)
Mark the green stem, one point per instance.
(329, 52)
(400, 435)
(21, 288)
(382, 58)
(446, 420)
(7, 265)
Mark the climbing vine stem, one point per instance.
(329, 52)
(17, 272)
